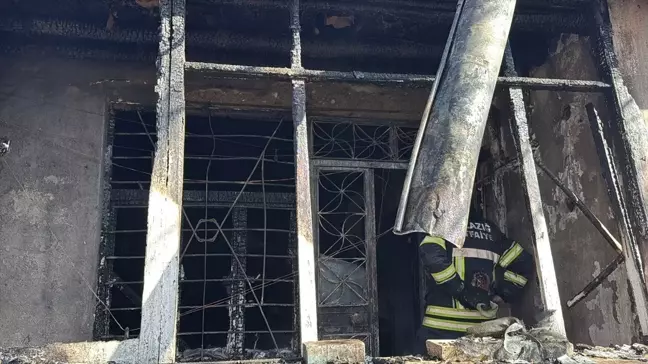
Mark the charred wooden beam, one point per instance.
(157, 340)
(598, 224)
(597, 281)
(438, 188)
(280, 73)
(217, 40)
(611, 175)
(543, 255)
(372, 260)
(570, 20)
(303, 189)
(631, 129)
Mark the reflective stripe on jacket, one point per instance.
(449, 268)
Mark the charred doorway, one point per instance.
(367, 276)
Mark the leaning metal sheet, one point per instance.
(437, 192)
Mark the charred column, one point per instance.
(437, 191)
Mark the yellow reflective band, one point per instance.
(515, 278)
(450, 312)
(432, 240)
(510, 255)
(458, 304)
(447, 325)
(460, 265)
(445, 274)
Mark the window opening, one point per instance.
(238, 231)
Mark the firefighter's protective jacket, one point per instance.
(486, 255)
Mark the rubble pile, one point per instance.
(508, 340)
(637, 352)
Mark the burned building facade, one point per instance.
(219, 179)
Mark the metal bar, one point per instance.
(236, 305)
(206, 230)
(609, 269)
(394, 151)
(543, 255)
(305, 227)
(157, 339)
(628, 239)
(439, 183)
(356, 164)
(372, 262)
(274, 200)
(274, 280)
(280, 73)
(598, 224)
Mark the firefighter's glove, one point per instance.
(500, 287)
(472, 296)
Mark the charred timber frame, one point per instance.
(630, 144)
(303, 188)
(279, 73)
(543, 255)
(157, 340)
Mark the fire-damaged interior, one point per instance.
(243, 233)
(260, 181)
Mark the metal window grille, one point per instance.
(238, 232)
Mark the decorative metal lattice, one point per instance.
(346, 256)
(347, 140)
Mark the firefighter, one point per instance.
(462, 283)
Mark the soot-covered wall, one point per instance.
(559, 124)
(50, 188)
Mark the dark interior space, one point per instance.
(399, 290)
(238, 234)
(226, 247)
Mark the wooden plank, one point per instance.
(631, 141)
(157, 340)
(304, 189)
(372, 260)
(305, 244)
(629, 242)
(543, 256)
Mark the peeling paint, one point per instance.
(613, 318)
